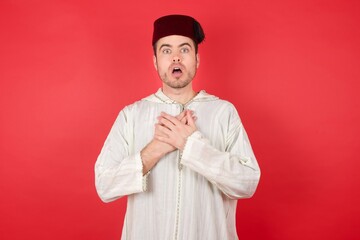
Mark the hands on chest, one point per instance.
(171, 133)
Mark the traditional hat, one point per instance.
(178, 25)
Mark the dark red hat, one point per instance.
(178, 25)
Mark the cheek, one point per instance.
(163, 65)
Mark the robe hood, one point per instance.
(160, 97)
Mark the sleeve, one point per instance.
(234, 171)
(117, 173)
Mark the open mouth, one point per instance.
(176, 72)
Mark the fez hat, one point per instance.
(178, 25)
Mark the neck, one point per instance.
(180, 95)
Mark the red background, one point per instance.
(290, 67)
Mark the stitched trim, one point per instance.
(145, 176)
(145, 181)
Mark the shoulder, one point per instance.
(134, 107)
(226, 109)
(219, 103)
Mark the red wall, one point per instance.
(290, 67)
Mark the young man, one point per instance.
(182, 157)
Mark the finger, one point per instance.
(192, 114)
(162, 139)
(170, 118)
(190, 120)
(183, 120)
(181, 115)
(166, 123)
(162, 130)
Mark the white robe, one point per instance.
(189, 195)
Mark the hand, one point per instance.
(173, 131)
(162, 147)
(156, 149)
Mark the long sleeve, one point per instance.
(197, 201)
(234, 171)
(117, 171)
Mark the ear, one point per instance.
(197, 60)
(155, 62)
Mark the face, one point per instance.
(176, 61)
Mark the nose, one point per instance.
(176, 59)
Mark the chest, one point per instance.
(211, 122)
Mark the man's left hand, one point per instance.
(172, 131)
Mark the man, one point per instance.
(182, 157)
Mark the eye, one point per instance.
(184, 50)
(166, 51)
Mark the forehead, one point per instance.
(174, 41)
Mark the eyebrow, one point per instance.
(164, 45)
(168, 45)
(185, 44)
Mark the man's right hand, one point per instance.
(155, 150)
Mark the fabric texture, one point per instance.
(188, 195)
